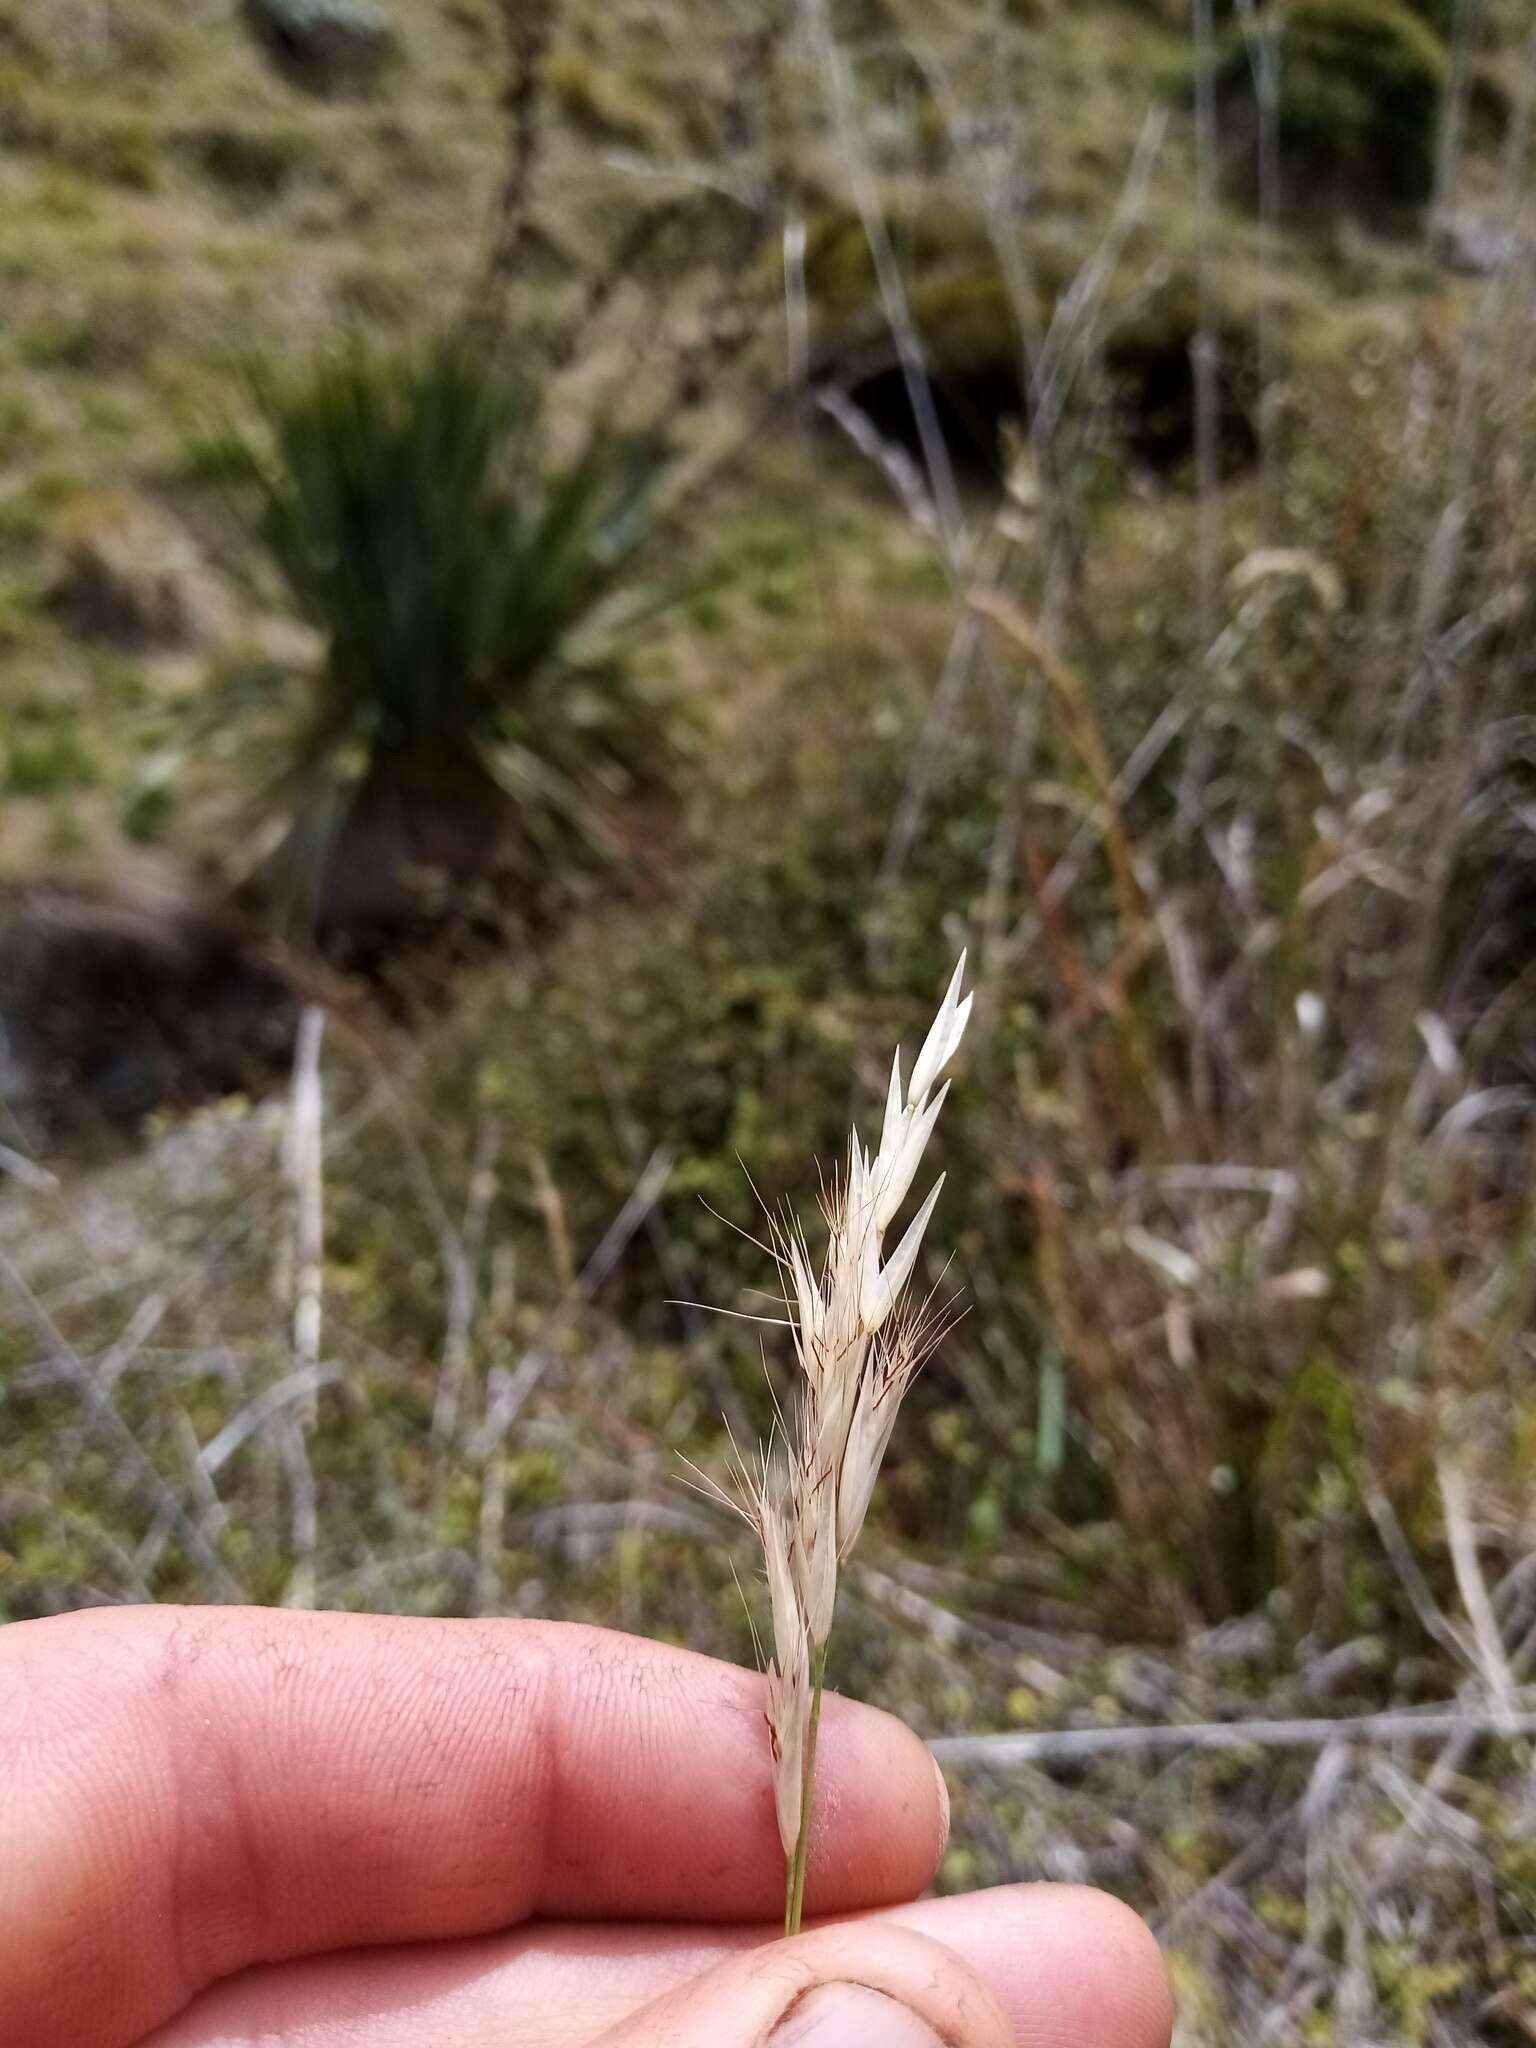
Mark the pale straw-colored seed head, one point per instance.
(813, 1500)
(895, 1359)
(853, 1375)
(764, 1500)
(944, 1036)
(789, 1719)
(859, 1345)
(789, 1677)
(783, 1585)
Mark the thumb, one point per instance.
(859, 1984)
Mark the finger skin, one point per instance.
(185, 1792)
(1071, 1968)
(742, 2002)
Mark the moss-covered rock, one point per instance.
(1360, 89)
(966, 316)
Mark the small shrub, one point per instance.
(467, 703)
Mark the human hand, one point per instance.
(225, 1827)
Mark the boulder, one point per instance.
(324, 46)
(1472, 246)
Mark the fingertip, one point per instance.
(1073, 1967)
(1135, 1996)
(881, 1815)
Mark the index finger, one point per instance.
(184, 1792)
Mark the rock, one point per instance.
(324, 46)
(134, 578)
(1474, 247)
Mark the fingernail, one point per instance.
(943, 1811)
(851, 2016)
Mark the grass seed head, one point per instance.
(859, 1343)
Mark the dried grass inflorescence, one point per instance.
(860, 1339)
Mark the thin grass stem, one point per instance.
(794, 1891)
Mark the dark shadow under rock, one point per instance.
(323, 46)
(133, 996)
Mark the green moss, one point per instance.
(1411, 1986)
(42, 761)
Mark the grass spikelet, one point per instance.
(860, 1340)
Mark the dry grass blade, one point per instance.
(1412, 1724)
(1074, 709)
(305, 1167)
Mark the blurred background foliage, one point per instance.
(596, 547)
